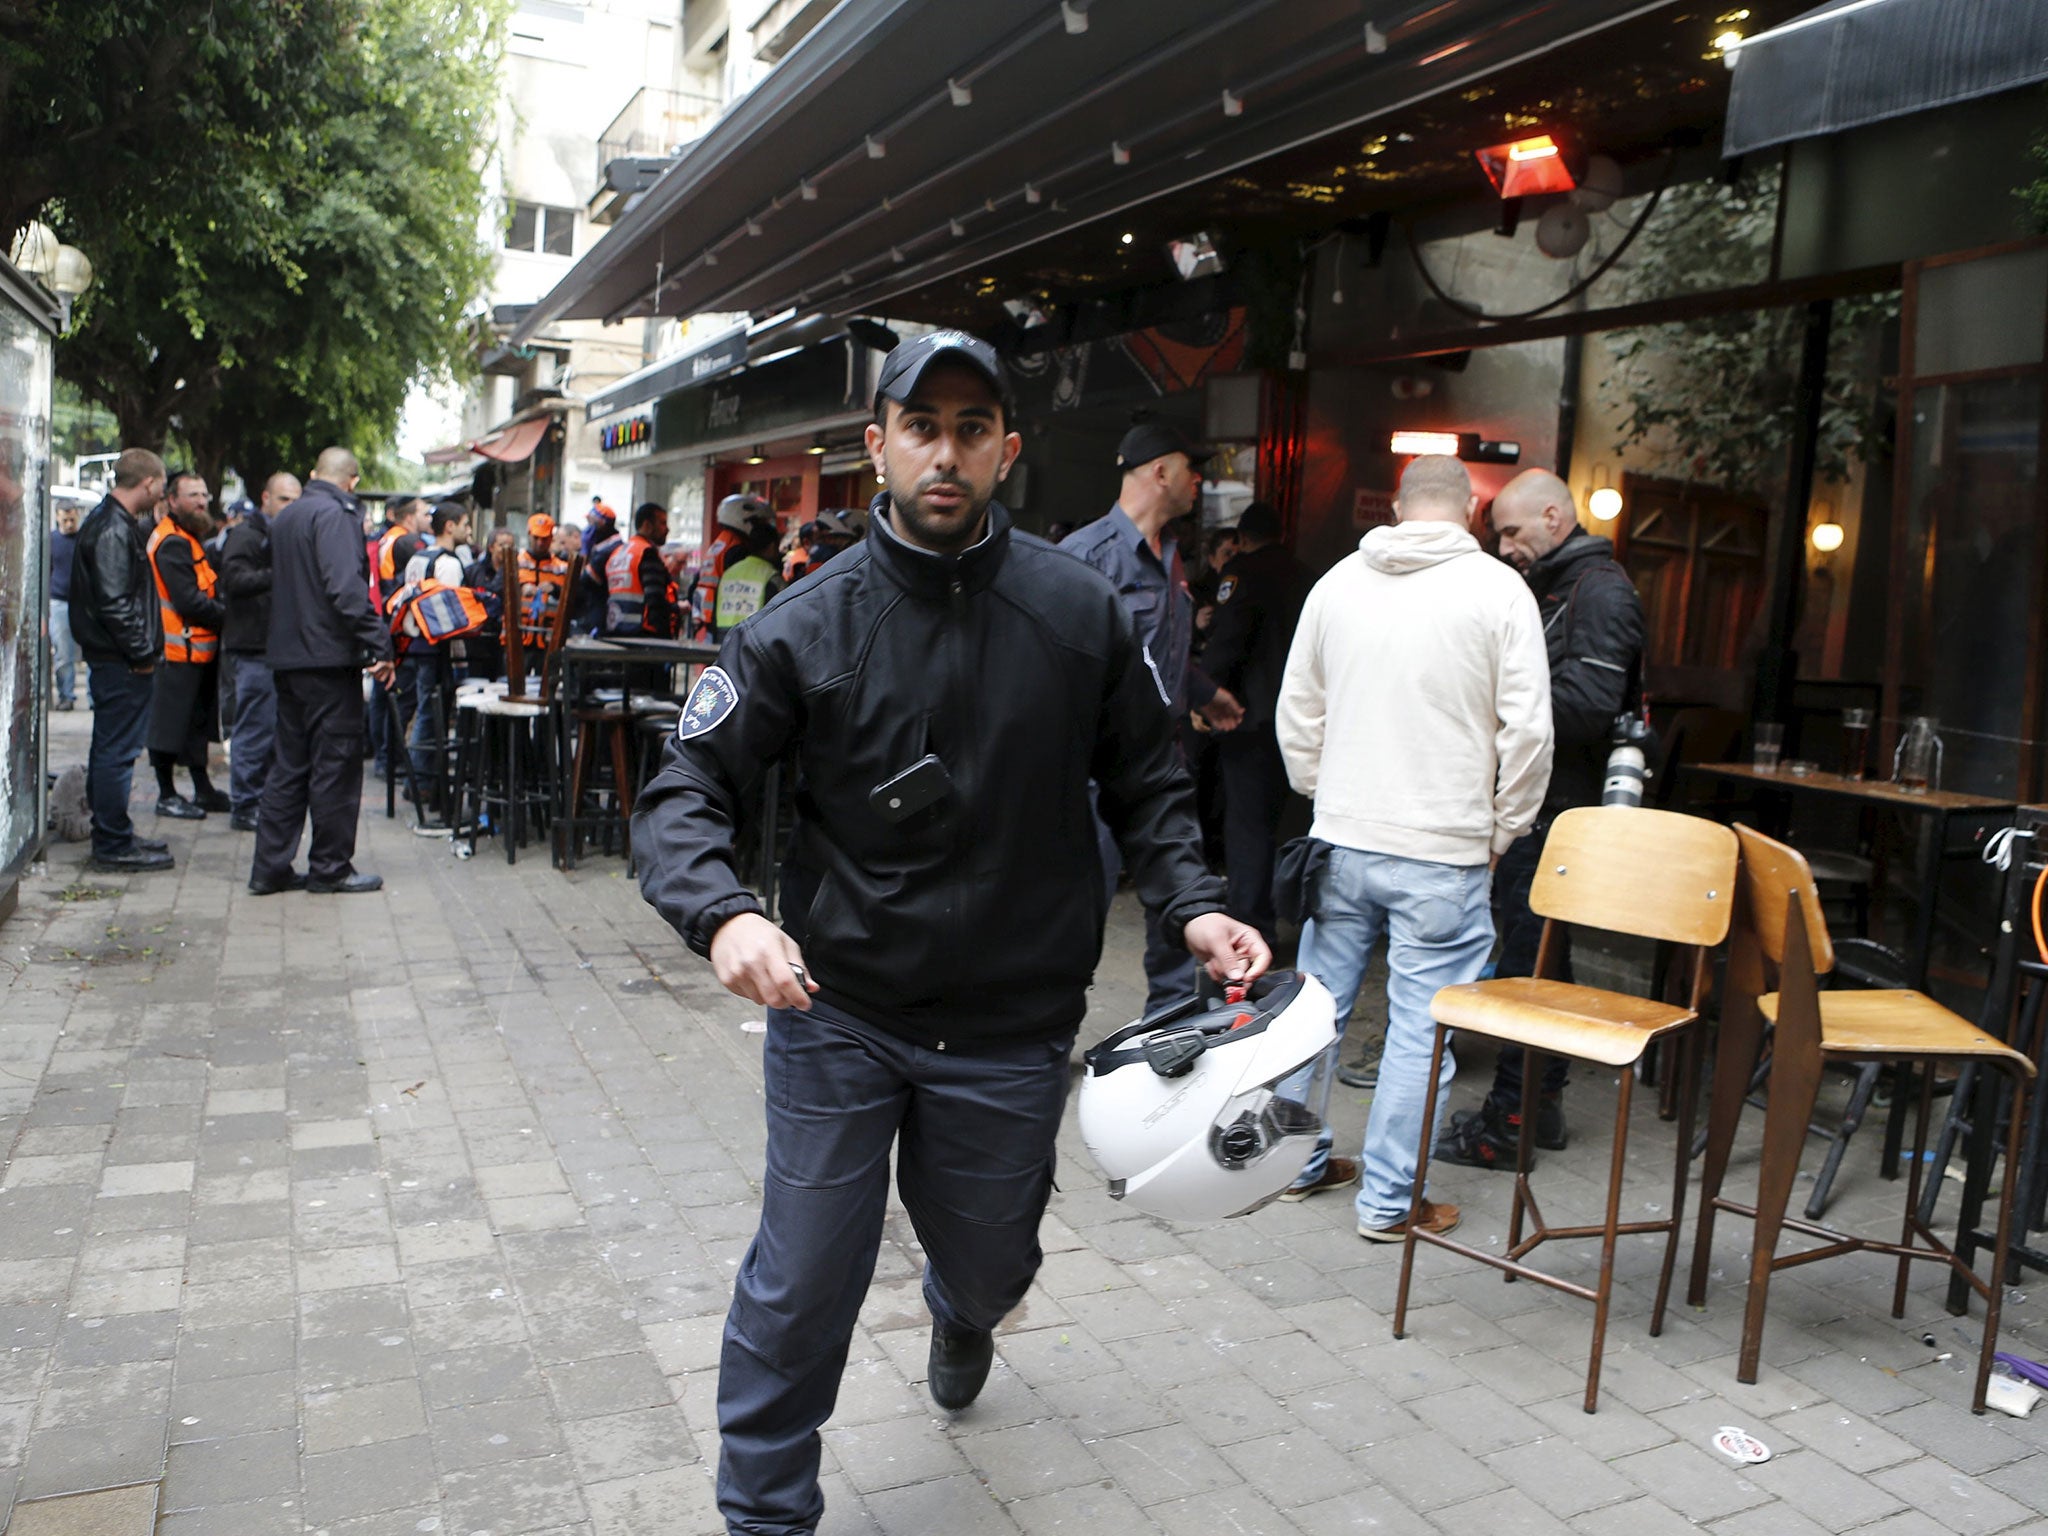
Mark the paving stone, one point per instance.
(1696, 1483)
(476, 1434)
(1099, 1506)
(368, 1415)
(201, 1473)
(584, 1389)
(1965, 1505)
(113, 1512)
(1564, 1479)
(515, 1498)
(489, 1374)
(629, 1444)
(677, 1499)
(1170, 1462)
(957, 1505)
(366, 1480)
(234, 1405)
(1239, 1511)
(81, 1457)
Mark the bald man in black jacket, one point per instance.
(324, 633)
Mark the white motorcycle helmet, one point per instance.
(1203, 1112)
(739, 512)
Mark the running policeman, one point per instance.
(945, 692)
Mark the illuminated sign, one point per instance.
(635, 433)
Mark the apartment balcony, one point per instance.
(642, 139)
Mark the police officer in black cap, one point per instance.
(944, 695)
(1162, 480)
(1258, 603)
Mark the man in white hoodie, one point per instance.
(1415, 712)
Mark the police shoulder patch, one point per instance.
(1224, 588)
(709, 703)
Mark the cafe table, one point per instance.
(1936, 812)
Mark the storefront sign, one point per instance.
(631, 438)
(761, 402)
(1371, 509)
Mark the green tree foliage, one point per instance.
(1713, 397)
(281, 283)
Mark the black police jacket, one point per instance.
(321, 616)
(245, 578)
(1593, 630)
(977, 921)
(1258, 604)
(114, 612)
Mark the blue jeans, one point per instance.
(120, 725)
(1438, 924)
(254, 736)
(63, 652)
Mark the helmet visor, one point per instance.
(1256, 1122)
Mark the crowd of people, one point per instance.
(1435, 704)
(168, 600)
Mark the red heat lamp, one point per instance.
(1527, 167)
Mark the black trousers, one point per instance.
(318, 769)
(973, 1135)
(1521, 931)
(1254, 795)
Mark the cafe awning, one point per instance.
(510, 442)
(1853, 62)
(906, 141)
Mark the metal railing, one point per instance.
(655, 123)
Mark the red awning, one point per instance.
(454, 453)
(513, 444)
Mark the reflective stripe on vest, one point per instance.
(704, 599)
(182, 641)
(549, 579)
(625, 609)
(742, 590)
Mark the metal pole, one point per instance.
(1777, 668)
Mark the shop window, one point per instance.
(537, 227)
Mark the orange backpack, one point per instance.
(435, 612)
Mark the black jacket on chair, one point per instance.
(975, 920)
(114, 613)
(321, 615)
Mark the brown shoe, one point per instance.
(1436, 1220)
(1337, 1172)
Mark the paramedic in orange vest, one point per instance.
(426, 671)
(641, 596)
(738, 515)
(391, 548)
(543, 582)
(184, 706)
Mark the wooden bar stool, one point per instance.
(1778, 928)
(1654, 874)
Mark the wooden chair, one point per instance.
(1778, 928)
(1655, 874)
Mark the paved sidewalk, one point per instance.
(375, 1216)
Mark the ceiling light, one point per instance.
(1424, 442)
(1118, 155)
(896, 254)
(807, 191)
(711, 258)
(753, 226)
(1126, 238)
(1375, 39)
(817, 446)
(1074, 13)
(1026, 312)
(1727, 40)
(1604, 504)
(759, 455)
(1469, 446)
(1032, 194)
(962, 95)
(876, 148)
(1827, 537)
(956, 226)
(1196, 256)
(1527, 167)
(1233, 104)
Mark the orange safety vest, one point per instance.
(182, 641)
(625, 611)
(709, 570)
(549, 579)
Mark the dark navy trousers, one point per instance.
(973, 1133)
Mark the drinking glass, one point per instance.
(1917, 763)
(1767, 746)
(1855, 742)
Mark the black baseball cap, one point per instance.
(1150, 440)
(904, 368)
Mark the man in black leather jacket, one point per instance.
(120, 633)
(1593, 630)
(944, 693)
(245, 577)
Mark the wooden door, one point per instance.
(1697, 557)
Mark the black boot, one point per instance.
(959, 1364)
